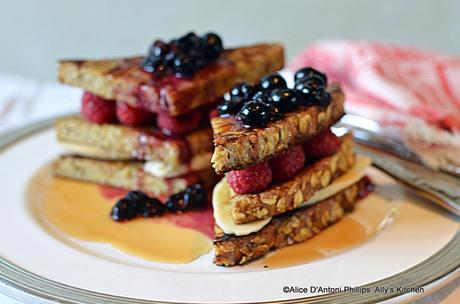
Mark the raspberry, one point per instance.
(180, 124)
(98, 110)
(324, 144)
(251, 179)
(131, 116)
(288, 163)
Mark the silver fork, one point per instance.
(391, 156)
(438, 187)
(370, 133)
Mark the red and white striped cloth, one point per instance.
(411, 88)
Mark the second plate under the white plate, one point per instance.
(417, 233)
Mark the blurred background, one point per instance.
(34, 34)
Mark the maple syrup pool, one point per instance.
(82, 211)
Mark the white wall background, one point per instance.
(34, 34)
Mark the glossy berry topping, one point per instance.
(193, 197)
(155, 66)
(98, 110)
(151, 207)
(305, 94)
(188, 42)
(183, 64)
(263, 96)
(256, 114)
(137, 203)
(285, 100)
(170, 125)
(273, 81)
(183, 56)
(251, 179)
(229, 107)
(313, 84)
(212, 45)
(242, 90)
(124, 210)
(176, 203)
(288, 163)
(159, 49)
(322, 98)
(310, 73)
(136, 196)
(324, 144)
(312, 92)
(131, 116)
(196, 196)
(271, 98)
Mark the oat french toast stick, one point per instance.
(286, 229)
(118, 142)
(127, 174)
(237, 147)
(125, 80)
(289, 195)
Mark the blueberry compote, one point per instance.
(137, 203)
(257, 105)
(183, 56)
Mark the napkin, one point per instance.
(414, 90)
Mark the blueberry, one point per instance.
(285, 100)
(199, 58)
(308, 73)
(183, 56)
(176, 203)
(212, 45)
(307, 90)
(159, 49)
(322, 98)
(313, 82)
(124, 210)
(189, 42)
(183, 65)
(196, 196)
(318, 80)
(157, 67)
(137, 196)
(169, 59)
(151, 207)
(256, 114)
(243, 90)
(229, 107)
(272, 81)
(263, 96)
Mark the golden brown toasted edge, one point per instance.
(289, 195)
(287, 229)
(92, 75)
(117, 142)
(237, 147)
(128, 175)
(124, 79)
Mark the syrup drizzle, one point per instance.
(81, 211)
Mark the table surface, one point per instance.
(23, 101)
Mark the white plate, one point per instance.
(418, 248)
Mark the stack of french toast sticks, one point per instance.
(146, 130)
(148, 123)
(287, 176)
